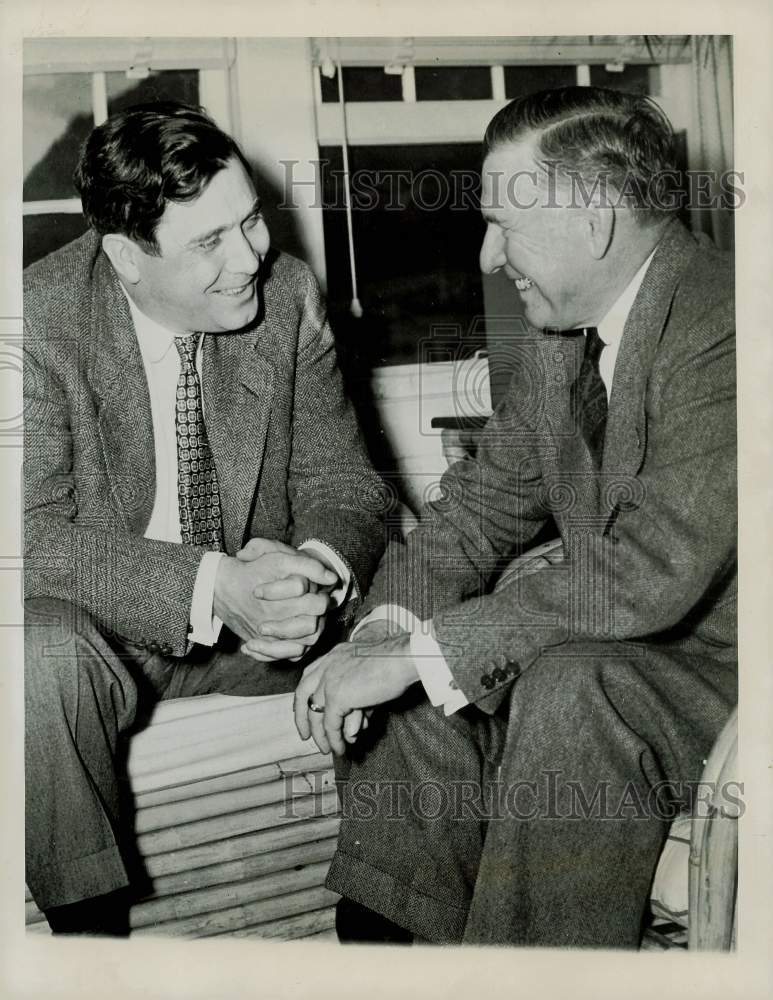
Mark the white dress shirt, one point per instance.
(161, 361)
(434, 673)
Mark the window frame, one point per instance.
(95, 57)
(372, 123)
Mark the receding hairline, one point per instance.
(528, 142)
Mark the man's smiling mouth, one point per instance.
(234, 293)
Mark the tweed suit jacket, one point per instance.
(649, 539)
(290, 460)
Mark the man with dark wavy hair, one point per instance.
(545, 725)
(193, 480)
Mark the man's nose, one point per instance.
(492, 252)
(243, 256)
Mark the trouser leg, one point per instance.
(79, 698)
(590, 740)
(413, 825)
(223, 670)
(536, 869)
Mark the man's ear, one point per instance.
(600, 226)
(123, 254)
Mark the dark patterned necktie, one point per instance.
(592, 395)
(197, 488)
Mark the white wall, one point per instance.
(407, 397)
(274, 121)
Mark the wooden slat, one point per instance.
(318, 924)
(291, 928)
(236, 917)
(222, 897)
(326, 935)
(243, 846)
(303, 850)
(40, 927)
(191, 739)
(245, 868)
(713, 871)
(174, 814)
(245, 778)
(32, 915)
(245, 821)
(312, 762)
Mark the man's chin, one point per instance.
(542, 319)
(535, 317)
(238, 316)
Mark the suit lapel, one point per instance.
(238, 387)
(125, 424)
(626, 422)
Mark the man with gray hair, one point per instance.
(544, 727)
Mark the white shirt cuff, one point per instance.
(436, 678)
(205, 625)
(401, 617)
(340, 593)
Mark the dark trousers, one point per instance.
(84, 692)
(542, 824)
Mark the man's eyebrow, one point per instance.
(210, 234)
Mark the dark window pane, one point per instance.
(363, 83)
(453, 83)
(45, 233)
(57, 118)
(417, 235)
(528, 79)
(329, 85)
(636, 78)
(166, 85)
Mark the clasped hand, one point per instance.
(274, 597)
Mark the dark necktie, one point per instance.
(197, 488)
(592, 395)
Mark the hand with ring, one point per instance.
(337, 690)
